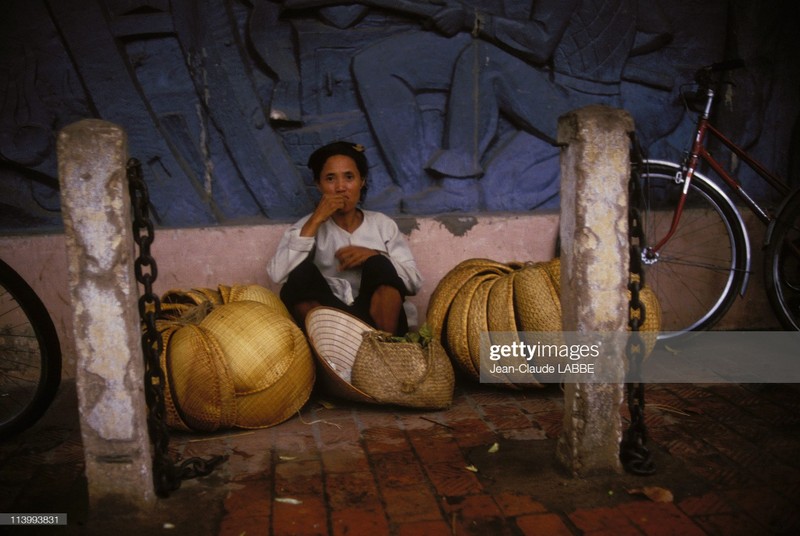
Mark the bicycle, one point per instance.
(30, 354)
(701, 259)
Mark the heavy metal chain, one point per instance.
(634, 455)
(167, 476)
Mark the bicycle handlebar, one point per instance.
(703, 75)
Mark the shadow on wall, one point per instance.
(457, 107)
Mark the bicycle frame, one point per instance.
(706, 247)
(699, 151)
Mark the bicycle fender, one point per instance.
(711, 184)
(790, 202)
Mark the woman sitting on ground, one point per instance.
(343, 256)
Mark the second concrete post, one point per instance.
(594, 274)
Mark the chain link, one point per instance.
(167, 476)
(634, 455)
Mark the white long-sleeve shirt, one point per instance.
(377, 231)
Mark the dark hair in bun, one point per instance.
(354, 150)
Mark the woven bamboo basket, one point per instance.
(404, 373)
(478, 322)
(199, 381)
(335, 338)
(537, 299)
(484, 296)
(225, 293)
(502, 318)
(237, 364)
(459, 327)
(286, 395)
(172, 416)
(258, 294)
(176, 303)
(447, 288)
(191, 306)
(652, 318)
(269, 361)
(553, 269)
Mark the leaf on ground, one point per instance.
(288, 500)
(654, 493)
(494, 448)
(471, 468)
(327, 404)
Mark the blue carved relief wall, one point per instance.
(456, 103)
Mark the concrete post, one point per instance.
(594, 276)
(95, 204)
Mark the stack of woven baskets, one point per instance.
(232, 357)
(481, 295)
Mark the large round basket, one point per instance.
(243, 365)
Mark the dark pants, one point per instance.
(306, 283)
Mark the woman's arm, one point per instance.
(400, 254)
(292, 250)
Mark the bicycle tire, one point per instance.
(30, 355)
(702, 268)
(782, 264)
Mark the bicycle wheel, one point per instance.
(782, 264)
(30, 355)
(699, 271)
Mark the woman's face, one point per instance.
(340, 176)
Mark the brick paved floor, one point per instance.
(728, 454)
